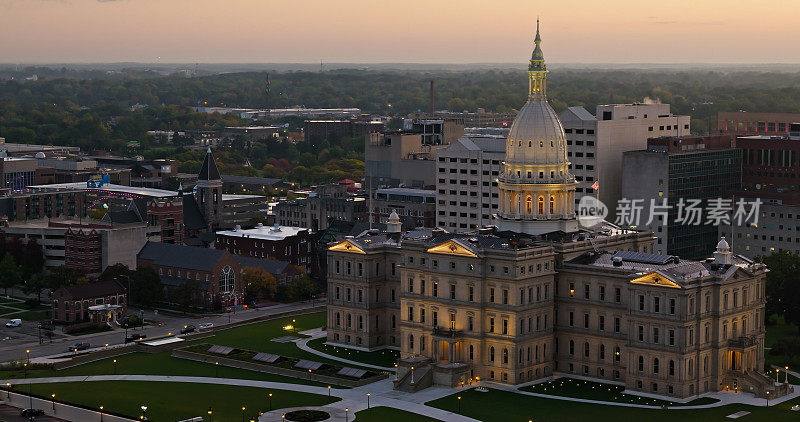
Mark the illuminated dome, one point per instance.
(536, 136)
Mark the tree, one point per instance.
(187, 295)
(301, 289)
(783, 285)
(146, 287)
(258, 284)
(788, 346)
(32, 259)
(119, 272)
(35, 284)
(61, 276)
(9, 273)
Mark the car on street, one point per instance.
(77, 347)
(188, 329)
(29, 413)
(14, 322)
(133, 337)
(206, 326)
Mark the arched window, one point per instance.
(529, 205)
(227, 278)
(617, 354)
(491, 354)
(571, 347)
(541, 144)
(529, 143)
(671, 367)
(641, 363)
(541, 205)
(552, 204)
(655, 365)
(586, 349)
(505, 355)
(411, 342)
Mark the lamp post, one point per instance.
(144, 413)
(368, 400)
(329, 394)
(787, 374)
(270, 399)
(459, 405)
(243, 413)
(30, 385)
(53, 401)
(101, 413)
(777, 371)
(346, 410)
(412, 375)
(28, 354)
(294, 326)
(216, 369)
(115, 367)
(8, 390)
(210, 414)
(396, 377)
(767, 398)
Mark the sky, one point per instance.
(391, 31)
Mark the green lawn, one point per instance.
(257, 337)
(167, 401)
(156, 364)
(504, 406)
(390, 414)
(567, 387)
(386, 358)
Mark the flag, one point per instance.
(596, 185)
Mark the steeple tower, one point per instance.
(209, 191)
(537, 69)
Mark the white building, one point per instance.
(595, 143)
(466, 182)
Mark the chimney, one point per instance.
(432, 96)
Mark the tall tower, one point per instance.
(209, 191)
(537, 191)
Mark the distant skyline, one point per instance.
(413, 31)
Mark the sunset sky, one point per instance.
(409, 31)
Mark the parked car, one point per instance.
(133, 337)
(14, 322)
(206, 326)
(28, 413)
(77, 347)
(188, 329)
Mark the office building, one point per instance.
(283, 243)
(412, 205)
(595, 143)
(743, 123)
(466, 182)
(679, 169)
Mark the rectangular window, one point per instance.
(616, 325)
(586, 321)
(671, 337)
(411, 285)
(505, 296)
(641, 333)
(617, 295)
(471, 293)
(505, 326)
(672, 306)
(571, 319)
(491, 325)
(586, 291)
(601, 323)
(641, 302)
(435, 289)
(656, 304)
(452, 291)
(435, 319)
(491, 294)
(655, 335)
(411, 313)
(602, 293)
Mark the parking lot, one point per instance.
(11, 414)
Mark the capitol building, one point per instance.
(536, 295)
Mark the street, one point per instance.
(15, 341)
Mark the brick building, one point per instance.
(284, 243)
(86, 304)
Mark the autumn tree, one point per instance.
(258, 284)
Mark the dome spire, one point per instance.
(537, 70)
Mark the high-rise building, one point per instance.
(466, 182)
(679, 169)
(595, 144)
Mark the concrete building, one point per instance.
(283, 243)
(743, 123)
(417, 205)
(320, 130)
(28, 205)
(89, 247)
(16, 173)
(466, 182)
(680, 169)
(595, 144)
(326, 204)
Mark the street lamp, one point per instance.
(8, 390)
(368, 400)
(459, 405)
(115, 367)
(345, 414)
(270, 399)
(243, 413)
(28, 353)
(787, 374)
(101, 413)
(329, 394)
(144, 413)
(210, 414)
(216, 369)
(294, 326)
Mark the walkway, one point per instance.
(316, 333)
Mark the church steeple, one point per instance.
(537, 70)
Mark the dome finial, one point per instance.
(538, 38)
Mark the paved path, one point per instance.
(316, 333)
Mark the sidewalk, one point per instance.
(316, 333)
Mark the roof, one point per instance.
(100, 288)
(192, 217)
(155, 193)
(269, 265)
(209, 170)
(188, 257)
(262, 232)
(577, 112)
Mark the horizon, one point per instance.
(359, 31)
